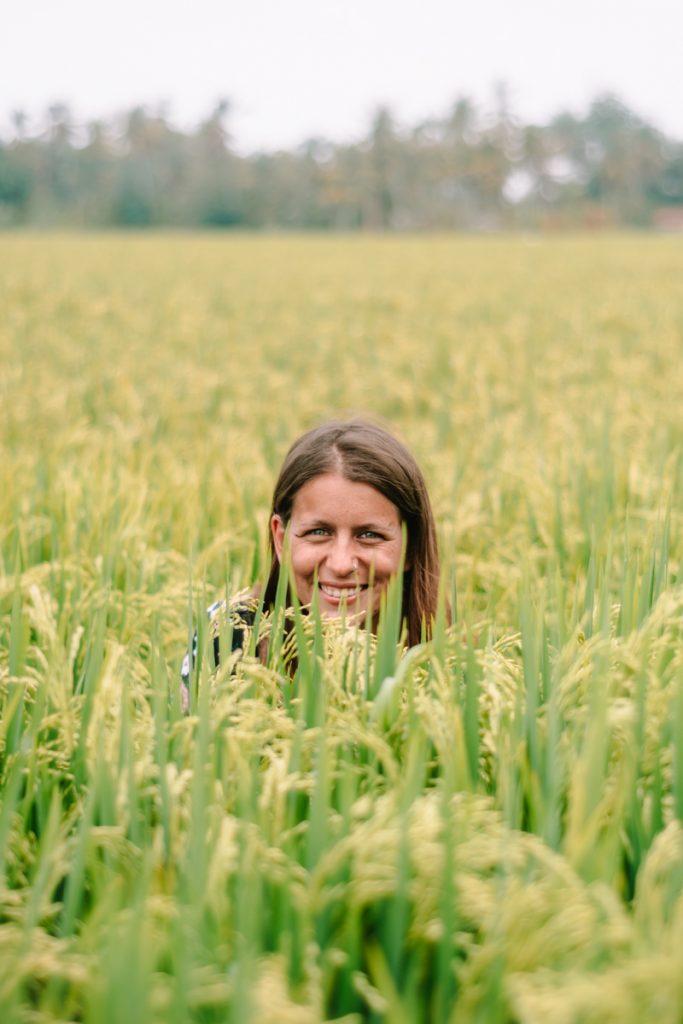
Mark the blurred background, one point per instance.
(326, 115)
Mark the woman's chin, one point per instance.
(352, 611)
(337, 611)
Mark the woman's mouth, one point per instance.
(336, 594)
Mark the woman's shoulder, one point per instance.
(240, 609)
(236, 613)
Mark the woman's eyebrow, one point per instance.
(374, 526)
(307, 524)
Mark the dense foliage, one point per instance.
(486, 828)
(472, 168)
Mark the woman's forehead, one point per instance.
(331, 496)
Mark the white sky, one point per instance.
(297, 68)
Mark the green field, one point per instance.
(489, 829)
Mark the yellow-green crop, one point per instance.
(486, 828)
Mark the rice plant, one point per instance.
(487, 827)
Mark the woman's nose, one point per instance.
(341, 559)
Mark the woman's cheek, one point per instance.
(304, 558)
(385, 565)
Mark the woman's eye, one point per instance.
(323, 531)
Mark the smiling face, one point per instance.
(341, 529)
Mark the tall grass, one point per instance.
(486, 827)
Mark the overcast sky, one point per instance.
(297, 68)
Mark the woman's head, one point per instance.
(344, 491)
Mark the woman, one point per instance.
(344, 492)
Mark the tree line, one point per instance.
(470, 169)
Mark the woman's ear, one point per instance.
(277, 528)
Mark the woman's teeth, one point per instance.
(338, 592)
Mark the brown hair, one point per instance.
(366, 453)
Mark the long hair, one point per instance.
(365, 453)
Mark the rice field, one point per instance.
(487, 828)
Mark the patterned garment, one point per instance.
(242, 613)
